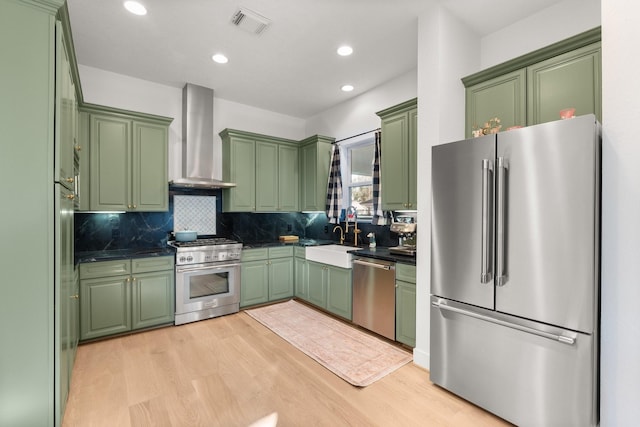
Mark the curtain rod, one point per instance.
(354, 136)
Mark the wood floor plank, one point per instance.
(232, 371)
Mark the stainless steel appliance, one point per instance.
(515, 272)
(207, 278)
(405, 227)
(374, 295)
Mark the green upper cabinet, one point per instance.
(315, 158)
(128, 160)
(398, 169)
(533, 88)
(66, 113)
(571, 80)
(503, 97)
(264, 169)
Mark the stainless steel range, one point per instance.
(207, 278)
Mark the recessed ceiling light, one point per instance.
(135, 8)
(347, 88)
(345, 50)
(220, 58)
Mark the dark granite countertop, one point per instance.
(109, 255)
(384, 254)
(301, 242)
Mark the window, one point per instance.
(357, 176)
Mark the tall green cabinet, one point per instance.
(38, 343)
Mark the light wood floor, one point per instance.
(232, 371)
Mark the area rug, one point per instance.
(353, 355)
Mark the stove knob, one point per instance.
(182, 259)
(189, 258)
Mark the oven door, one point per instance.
(207, 286)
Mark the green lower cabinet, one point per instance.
(254, 286)
(280, 278)
(301, 272)
(339, 291)
(266, 274)
(406, 304)
(124, 295)
(330, 288)
(153, 299)
(317, 284)
(105, 306)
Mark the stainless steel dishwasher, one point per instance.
(374, 295)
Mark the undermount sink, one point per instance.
(335, 255)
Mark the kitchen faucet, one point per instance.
(337, 227)
(352, 212)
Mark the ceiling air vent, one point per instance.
(250, 21)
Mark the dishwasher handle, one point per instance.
(375, 264)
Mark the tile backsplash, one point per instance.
(196, 213)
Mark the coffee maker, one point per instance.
(405, 227)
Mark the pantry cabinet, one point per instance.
(399, 164)
(128, 160)
(533, 88)
(264, 169)
(315, 158)
(406, 304)
(122, 295)
(266, 274)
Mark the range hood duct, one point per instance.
(197, 140)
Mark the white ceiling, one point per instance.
(291, 68)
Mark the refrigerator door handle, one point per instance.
(487, 170)
(560, 338)
(501, 277)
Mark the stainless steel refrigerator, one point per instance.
(515, 274)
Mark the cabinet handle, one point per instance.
(69, 180)
(128, 279)
(76, 296)
(78, 148)
(70, 196)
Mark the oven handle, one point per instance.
(202, 267)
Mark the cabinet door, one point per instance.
(568, 80)
(105, 306)
(503, 97)
(266, 177)
(65, 106)
(314, 170)
(110, 149)
(301, 278)
(152, 299)
(239, 166)
(149, 168)
(339, 291)
(280, 278)
(406, 313)
(317, 284)
(254, 287)
(394, 173)
(288, 177)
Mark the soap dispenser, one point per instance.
(372, 240)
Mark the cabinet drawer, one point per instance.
(145, 265)
(281, 252)
(406, 272)
(105, 268)
(254, 254)
(300, 251)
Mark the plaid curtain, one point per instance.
(334, 188)
(379, 216)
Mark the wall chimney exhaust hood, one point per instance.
(197, 140)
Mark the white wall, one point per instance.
(358, 114)
(119, 91)
(548, 26)
(620, 359)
